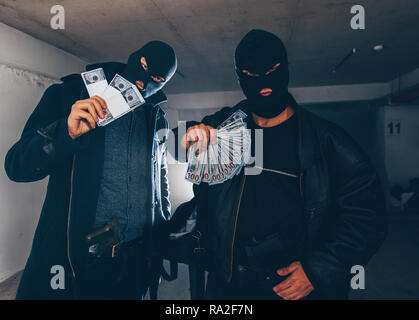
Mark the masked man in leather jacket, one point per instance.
(109, 182)
(316, 209)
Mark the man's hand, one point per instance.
(84, 115)
(200, 134)
(296, 286)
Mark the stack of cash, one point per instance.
(121, 96)
(224, 158)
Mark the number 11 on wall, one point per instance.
(393, 128)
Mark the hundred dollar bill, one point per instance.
(121, 96)
(193, 173)
(120, 83)
(239, 115)
(95, 81)
(206, 168)
(108, 118)
(226, 157)
(133, 97)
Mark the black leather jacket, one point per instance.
(343, 200)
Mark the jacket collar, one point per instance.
(308, 145)
(157, 98)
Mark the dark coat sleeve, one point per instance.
(44, 143)
(358, 226)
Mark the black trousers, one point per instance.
(124, 277)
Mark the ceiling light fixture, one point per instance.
(378, 47)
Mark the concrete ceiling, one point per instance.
(204, 34)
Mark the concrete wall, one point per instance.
(401, 147)
(27, 67)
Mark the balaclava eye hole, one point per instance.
(143, 63)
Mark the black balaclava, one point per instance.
(258, 52)
(161, 61)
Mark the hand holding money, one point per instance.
(84, 115)
(200, 134)
(121, 96)
(224, 158)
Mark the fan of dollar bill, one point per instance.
(224, 158)
(121, 96)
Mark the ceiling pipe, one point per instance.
(344, 60)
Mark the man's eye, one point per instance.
(144, 63)
(273, 69)
(157, 79)
(250, 74)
